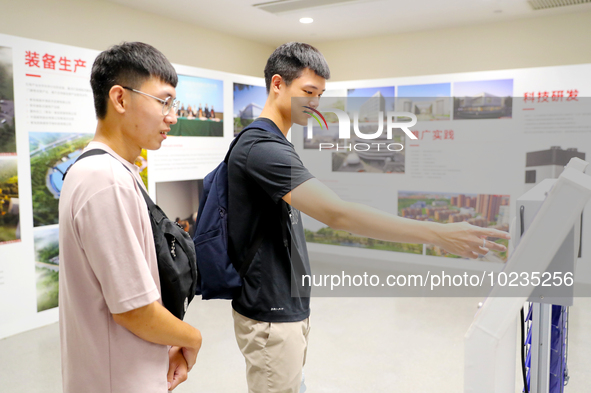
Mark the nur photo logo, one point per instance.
(394, 120)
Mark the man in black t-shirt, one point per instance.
(268, 186)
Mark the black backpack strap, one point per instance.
(233, 143)
(96, 152)
(92, 152)
(252, 126)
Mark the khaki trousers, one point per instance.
(274, 352)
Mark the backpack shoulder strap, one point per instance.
(88, 153)
(255, 125)
(234, 143)
(95, 152)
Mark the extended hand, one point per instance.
(177, 368)
(468, 240)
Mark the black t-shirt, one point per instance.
(262, 168)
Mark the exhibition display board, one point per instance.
(483, 138)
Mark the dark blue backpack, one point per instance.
(218, 276)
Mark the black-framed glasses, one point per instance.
(167, 104)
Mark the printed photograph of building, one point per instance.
(249, 101)
(368, 152)
(201, 107)
(483, 210)
(427, 102)
(491, 99)
(359, 103)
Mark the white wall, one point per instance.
(97, 24)
(545, 41)
(178, 198)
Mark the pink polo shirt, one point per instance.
(107, 266)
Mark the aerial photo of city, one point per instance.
(335, 237)
(483, 210)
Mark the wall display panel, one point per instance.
(519, 137)
(46, 119)
(554, 104)
(485, 136)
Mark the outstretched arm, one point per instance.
(320, 202)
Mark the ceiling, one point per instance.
(349, 20)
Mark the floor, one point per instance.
(356, 345)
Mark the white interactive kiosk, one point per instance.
(547, 240)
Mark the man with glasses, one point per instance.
(115, 334)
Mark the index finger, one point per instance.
(491, 232)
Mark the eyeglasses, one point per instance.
(167, 104)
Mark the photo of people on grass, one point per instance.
(201, 107)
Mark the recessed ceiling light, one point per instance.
(306, 20)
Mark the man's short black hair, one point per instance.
(129, 64)
(289, 60)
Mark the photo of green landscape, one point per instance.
(9, 201)
(51, 155)
(342, 238)
(483, 210)
(47, 267)
(7, 130)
